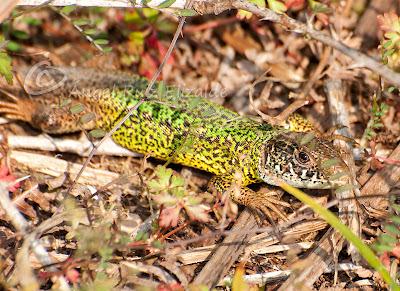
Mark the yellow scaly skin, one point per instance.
(184, 129)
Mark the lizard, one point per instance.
(183, 128)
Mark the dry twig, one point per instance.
(81, 147)
(57, 167)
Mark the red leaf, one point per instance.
(72, 276)
(396, 251)
(387, 21)
(169, 216)
(324, 18)
(295, 4)
(147, 66)
(152, 41)
(163, 51)
(385, 259)
(197, 212)
(6, 177)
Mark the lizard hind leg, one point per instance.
(257, 201)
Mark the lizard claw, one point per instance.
(267, 204)
(260, 201)
(12, 107)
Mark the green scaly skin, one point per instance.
(185, 129)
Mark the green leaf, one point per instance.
(151, 15)
(166, 25)
(13, 46)
(395, 219)
(392, 229)
(396, 207)
(105, 253)
(161, 90)
(5, 67)
(91, 31)
(77, 108)
(65, 102)
(124, 239)
(166, 4)
(307, 138)
(387, 44)
(242, 14)
(80, 22)
(381, 248)
(32, 21)
(377, 125)
(317, 7)
(97, 133)
(68, 9)
(186, 12)
(132, 17)
(137, 37)
(107, 49)
(87, 117)
(164, 175)
(20, 34)
(277, 6)
(388, 53)
(101, 41)
(177, 181)
(141, 235)
(387, 239)
(157, 244)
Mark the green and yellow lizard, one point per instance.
(182, 128)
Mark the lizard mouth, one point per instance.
(316, 181)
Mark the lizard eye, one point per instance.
(303, 157)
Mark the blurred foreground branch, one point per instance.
(6, 6)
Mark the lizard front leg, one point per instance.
(258, 201)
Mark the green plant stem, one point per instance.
(331, 218)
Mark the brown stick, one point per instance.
(319, 259)
(380, 184)
(228, 252)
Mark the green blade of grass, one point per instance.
(331, 218)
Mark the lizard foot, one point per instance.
(267, 203)
(11, 108)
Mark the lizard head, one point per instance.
(302, 160)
